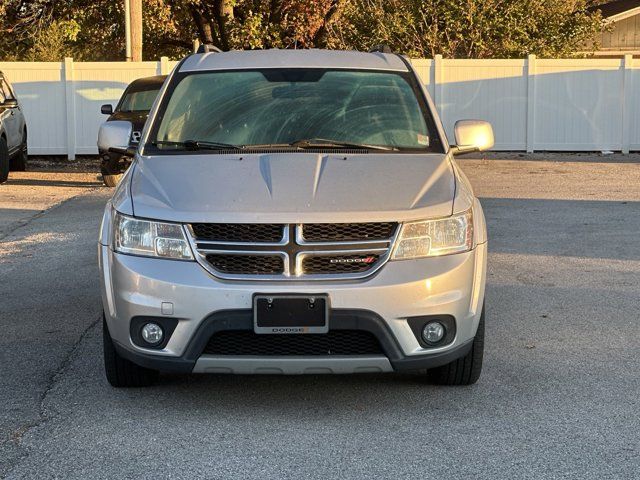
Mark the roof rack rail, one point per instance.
(208, 48)
(382, 48)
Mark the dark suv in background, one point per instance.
(13, 132)
(134, 106)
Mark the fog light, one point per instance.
(433, 332)
(152, 333)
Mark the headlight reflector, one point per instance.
(432, 238)
(151, 239)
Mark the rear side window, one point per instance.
(282, 106)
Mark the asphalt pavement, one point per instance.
(558, 397)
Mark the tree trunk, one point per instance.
(136, 30)
(321, 36)
(205, 32)
(223, 12)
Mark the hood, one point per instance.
(292, 187)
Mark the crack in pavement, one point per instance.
(17, 435)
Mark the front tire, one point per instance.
(112, 170)
(465, 370)
(19, 162)
(111, 180)
(4, 160)
(120, 372)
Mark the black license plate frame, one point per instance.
(290, 313)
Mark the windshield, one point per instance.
(138, 101)
(278, 107)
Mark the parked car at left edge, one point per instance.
(13, 131)
(134, 106)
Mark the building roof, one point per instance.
(618, 9)
(276, 58)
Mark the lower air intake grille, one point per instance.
(335, 342)
(247, 264)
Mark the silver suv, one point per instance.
(293, 212)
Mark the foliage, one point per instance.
(468, 28)
(53, 42)
(94, 29)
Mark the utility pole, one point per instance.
(136, 30)
(133, 29)
(127, 28)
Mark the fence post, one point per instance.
(164, 65)
(437, 83)
(627, 90)
(531, 103)
(70, 101)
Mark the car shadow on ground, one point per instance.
(33, 182)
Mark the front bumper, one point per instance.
(138, 286)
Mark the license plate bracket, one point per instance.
(290, 313)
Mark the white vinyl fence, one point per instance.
(533, 104)
(61, 101)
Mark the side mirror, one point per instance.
(472, 136)
(106, 109)
(10, 103)
(115, 137)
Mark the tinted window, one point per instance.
(138, 101)
(282, 106)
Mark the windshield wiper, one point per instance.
(199, 145)
(324, 143)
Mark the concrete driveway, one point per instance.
(558, 398)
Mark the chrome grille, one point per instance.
(319, 251)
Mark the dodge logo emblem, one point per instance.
(353, 260)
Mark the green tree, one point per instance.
(94, 29)
(468, 28)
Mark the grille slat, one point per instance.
(335, 342)
(238, 232)
(347, 232)
(247, 264)
(330, 264)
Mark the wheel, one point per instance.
(4, 160)
(19, 162)
(121, 372)
(465, 370)
(112, 169)
(111, 180)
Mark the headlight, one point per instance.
(150, 239)
(431, 238)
